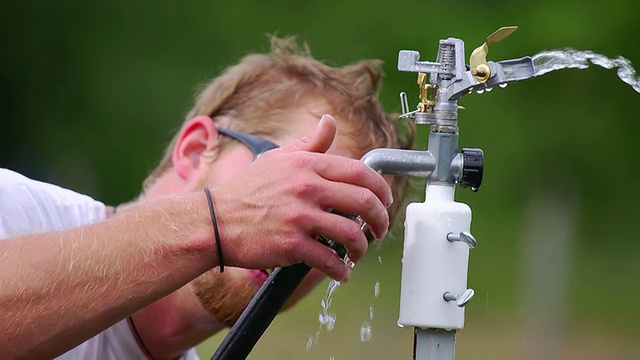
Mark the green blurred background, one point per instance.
(90, 93)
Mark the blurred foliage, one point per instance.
(91, 92)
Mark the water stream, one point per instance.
(325, 318)
(552, 60)
(365, 329)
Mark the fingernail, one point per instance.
(380, 236)
(325, 117)
(389, 201)
(346, 279)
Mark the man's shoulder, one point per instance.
(28, 206)
(14, 185)
(115, 343)
(112, 344)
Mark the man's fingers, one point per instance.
(326, 260)
(344, 231)
(361, 201)
(319, 141)
(344, 170)
(322, 137)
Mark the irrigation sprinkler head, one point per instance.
(450, 79)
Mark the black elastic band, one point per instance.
(215, 228)
(145, 350)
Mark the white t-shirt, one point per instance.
(28, 206)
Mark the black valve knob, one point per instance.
(472, 168)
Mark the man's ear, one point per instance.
(196, 137)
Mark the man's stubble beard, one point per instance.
(225, 295)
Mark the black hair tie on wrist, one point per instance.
(215, 227)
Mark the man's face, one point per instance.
(225, 295)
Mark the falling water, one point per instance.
(325, 318)
(365, 332)
(552, 60)
(328, 320)
(365, 329)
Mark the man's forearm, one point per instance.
(59, 289)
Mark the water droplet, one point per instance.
(479, 91)
(376, 289)
(489, 89)
(365, 332)
(371, 312)
(380, 260)
(309, 342)
(331, 322)
(504, 85)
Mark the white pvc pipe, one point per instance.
(432, 265)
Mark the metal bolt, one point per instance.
(463, 236)
(460, 299)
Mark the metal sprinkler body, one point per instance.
(437, 236)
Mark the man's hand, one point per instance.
(271, 213)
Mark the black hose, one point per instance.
(266, 304)
(255, 319)
(264, 307)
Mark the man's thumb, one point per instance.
(318, 141)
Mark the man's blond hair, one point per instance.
(256, 91)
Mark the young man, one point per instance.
(269, 209)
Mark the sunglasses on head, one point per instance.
(258, 145)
